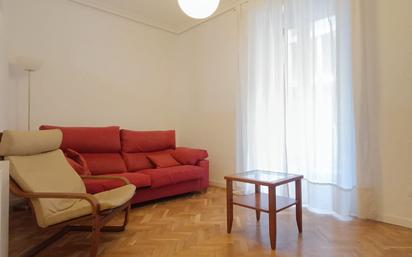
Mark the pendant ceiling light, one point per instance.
(199, 9)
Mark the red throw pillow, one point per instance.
(189, 156)
(163, 160)
(81, 166)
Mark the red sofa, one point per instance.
(148, 159)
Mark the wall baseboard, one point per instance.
(215, 183)
(395, 220)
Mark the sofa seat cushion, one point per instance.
(173, 175)
(139, 161)
(89, 139)
(104, 163)
(147, 141)
(139, 180)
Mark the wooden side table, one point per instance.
(261, 202)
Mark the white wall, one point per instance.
(208, 78)
(3, 71)
(6, 113)
(6, 116)
(392, 25)
(97, 69)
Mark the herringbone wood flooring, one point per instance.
(194, 225)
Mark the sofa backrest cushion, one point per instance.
(89, 139)
(104, 163)
(139, 161)
(147, 141)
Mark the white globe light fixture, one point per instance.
(198, 9)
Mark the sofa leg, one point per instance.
(95, 236)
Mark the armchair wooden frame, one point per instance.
(98, 218)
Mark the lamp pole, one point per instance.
(29, 71)
(28, 64)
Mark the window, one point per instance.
(292, 101)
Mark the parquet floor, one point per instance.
(194, 225)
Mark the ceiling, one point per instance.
(163, 14)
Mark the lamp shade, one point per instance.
(28, 63)
(199, 9)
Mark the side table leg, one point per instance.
(229, 203)
(257, 191)
(272, 217)
(298, 197)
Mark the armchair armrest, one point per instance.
(123, 179)
(15, 189)
(58, 195)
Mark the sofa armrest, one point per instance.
(189, 156)
(203, 163)
(191, 148)
(123, 179)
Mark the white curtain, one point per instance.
(366, 98)
(296, 109)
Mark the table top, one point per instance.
(263, 177)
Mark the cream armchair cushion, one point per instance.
(50, 172)
(25, 143)
(46, 172)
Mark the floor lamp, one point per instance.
(30, 65)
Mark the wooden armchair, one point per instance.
(40, 174)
